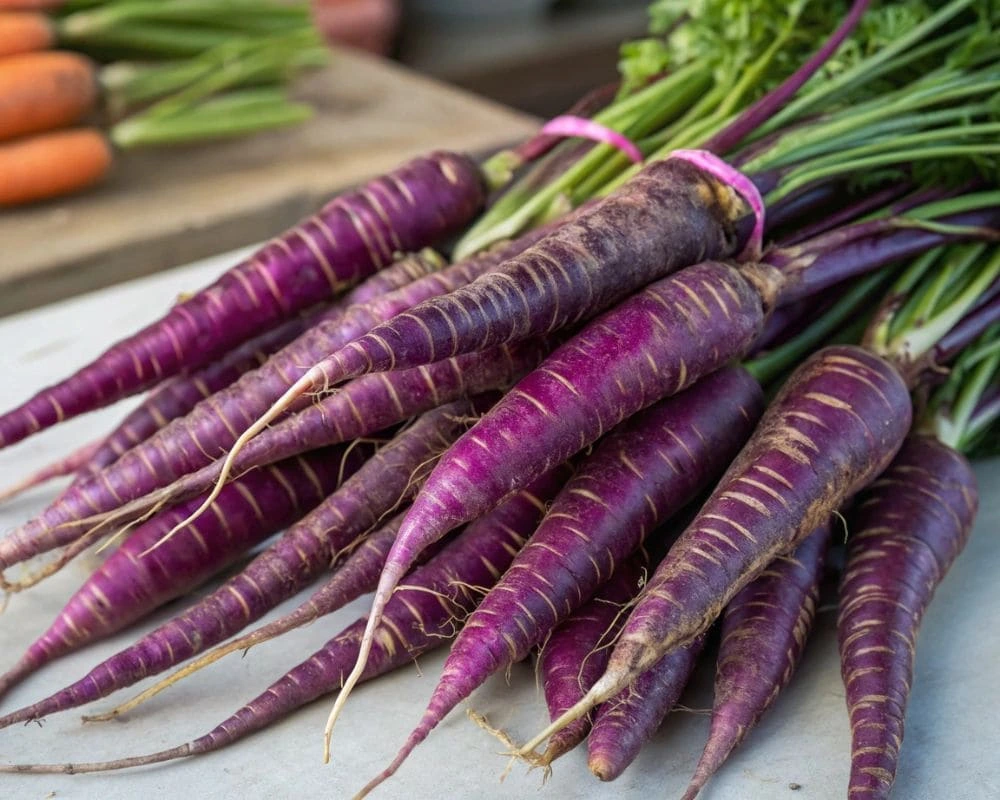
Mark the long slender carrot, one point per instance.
(52, 164)
(43, 91)
(24, 32)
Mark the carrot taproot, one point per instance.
(652, 345)
(43, 91)
(834, 426)
(52, 164)
(302, 553)
(77, 460)
(421, 615)
(351, 237)
(576, 653)
(764, 632)
(642, 473)
(24, 32)
(127, 586)
(624, 723)
(386, 398)
(905, 531)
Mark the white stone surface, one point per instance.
(952, 732)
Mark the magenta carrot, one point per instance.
(178, 396)
(670, 215)
(833, 427)
(420, 616)
(352, 236)
(128, 586)
(906, 530)
(764, 632)
(650, 346)
(641, 474)
(623, 724)
(576, 653)
(387, 398)
(301, 554)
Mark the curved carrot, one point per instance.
(24, 32)
(51, 164)
(43, 91)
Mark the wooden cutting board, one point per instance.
(170, 206)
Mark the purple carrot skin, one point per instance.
(576, 653)
(302, 553)
(387, 398)
(420, 616)
(652, 345)
(906, 530)
(190, 443)
(834, 426)
(351, 237)
(76, 460)
(126, 587)
(764, 631)
(180, 395)
(670, 215)
(623, 724)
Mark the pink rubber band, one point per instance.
(731, 176)
(568, 125)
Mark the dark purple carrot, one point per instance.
(834, 426)
(641, 474)
(652, 345)
(576, 653)
(127, 586)
(670, 215)
(905, 531)
(358, 409)
(356, 576)
(178, 396)
(421, 615)
(75, 461)
(764, 632)
(352, 236)
(623, 724)
(301, 554)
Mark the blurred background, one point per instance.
(534, 55)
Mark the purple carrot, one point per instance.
(623, 724)
(576, 653)
(906, 530)
(421, 616)
(641, 474)
(178, 396)
(652, 345)
(302, 553)
(351, 237)
(356, 576)
(764, 632)
(126, 586)
(358, 409)
(835, 425)
(75, 461)
(190, 443)
(670, 215)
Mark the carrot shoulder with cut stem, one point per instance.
(764, 632)
(43, 91)
(351, 237)
(835, 425)
(423, 614)
(127, 585)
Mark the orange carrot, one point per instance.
(24, 32)
(52, 164)
(42, 91)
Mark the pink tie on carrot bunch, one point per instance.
(583, 128)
